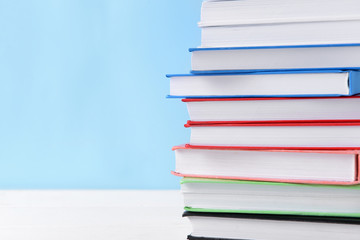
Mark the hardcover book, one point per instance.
(304, 134)
(280, 58)
(279, 34)
(227, 226)
(249, 12)
(265, 164)
(273, 109)
(235, 196)
(266, 84)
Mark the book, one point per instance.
(279, 58)
(235, 196)
(292, 135)
(226, 226)
(278, 165)
(281, 34)
(245, 12)
(266, 84)
(268, 109)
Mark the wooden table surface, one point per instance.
(90, 215)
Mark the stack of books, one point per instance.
(274, 151)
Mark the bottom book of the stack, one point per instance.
(226, 226)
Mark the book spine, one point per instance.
(354, 82)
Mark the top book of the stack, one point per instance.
(279, 22)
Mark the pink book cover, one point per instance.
(271, 149)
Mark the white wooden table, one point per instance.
(90, 215)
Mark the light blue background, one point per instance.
(83, 88)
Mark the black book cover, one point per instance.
(205, 238)
(278, 217)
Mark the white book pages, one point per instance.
(276, 58)
(218, 13)
(265, 164)
(277, 136)
(261, 84)
(257, 196)
(309, 33)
